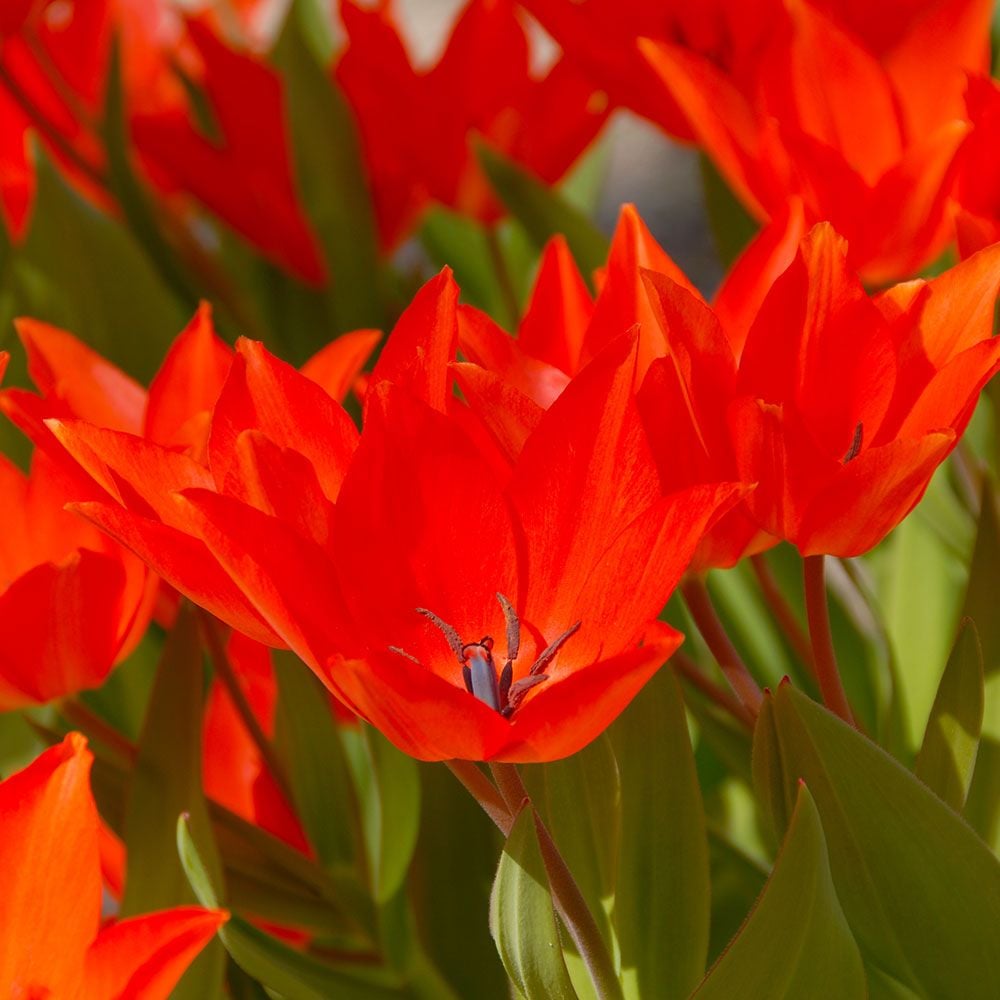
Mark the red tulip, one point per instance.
(847, 404)
(54, 943)
(417, 125)
(978, 187)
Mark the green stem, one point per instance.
(566, 895)
(82, 717)
(690, 671)
(482, 790)
(699, 603)
(818, 613)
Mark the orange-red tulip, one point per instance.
(417, 126)
(53, 943)
(845, 405)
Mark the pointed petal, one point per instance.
(90, 387)
(422, 345)
(144, 957)
(749, 280)
(51, 903)
(559, 310)
(562, 716)
(263, 393)
(185, 563)
(336, 366)
(186, 387)
(509, 414)
(622, 302)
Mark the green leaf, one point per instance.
(81, 270)
(737, 881)
(165, 782)
(307, 739)
(458, 846)
(795, 942)
(983, 802)
(920, 890)
(951, 740)
(662, 903)
(581, 798)
(523, 921)
(388, 785)
(542, 212)
(293, 974)
(332, 181)
(464, 245)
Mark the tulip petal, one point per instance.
(335, 367)
(142, 958)
(51, 900)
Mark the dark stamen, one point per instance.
(550, 651)
(519, 690)
(467, 677)
(403, 652)
(454, 640)
(852, 452)
(513, 627)
(506, 676)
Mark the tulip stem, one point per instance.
(83, 717)
(482, 790)
(782, 611)
(818, 612)
(691, 672)
(699, 603)
(566, 895)
(227, 677)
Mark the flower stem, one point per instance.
(782, 611)
(482, 790)
(690, 671)
(818, 612)
(566, 895)
(699, 603)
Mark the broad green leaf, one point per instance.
(948, 753)
(983, 802)
(81, 270)
(920, 593)
(920, 890)
(523, 921)
(332, 182)
(165, 782)
(458, 846)
(307, 739)
(795, 942)
(542, 212)
(388, 785)
(662, 902)
(581, 806)
(293, 974)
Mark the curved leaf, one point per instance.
(795, 942)
(522, 920)
(951, 741)
(920, 890)
(662, 903)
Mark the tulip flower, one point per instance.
(845, 405)
(641, 286)
(416, 126)
(54, 943)
(72, 603)
(56, 60)
(474, 614)
(858, 115)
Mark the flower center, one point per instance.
(479, 669)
